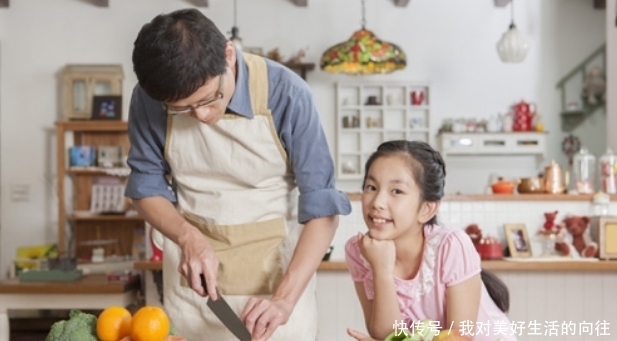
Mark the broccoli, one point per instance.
(79, 327)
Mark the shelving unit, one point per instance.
(368, 114)
(91, 227)
(301, 68)
(511, 143)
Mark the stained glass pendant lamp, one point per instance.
(363, 54)
(512, 47)
(235, 38)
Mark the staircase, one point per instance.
(572, 118)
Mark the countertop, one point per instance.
(88, 284)
(356, 196)
(493, 265)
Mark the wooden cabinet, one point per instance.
(80, 231)
(368, 114)
(82, 82)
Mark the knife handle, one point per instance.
(203, 283)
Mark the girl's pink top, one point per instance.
(449, 258)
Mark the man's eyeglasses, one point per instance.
(190, 108)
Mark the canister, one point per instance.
(584, 168)
(608, 163)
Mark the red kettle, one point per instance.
(523, 116)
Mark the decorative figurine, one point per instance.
(594, 88)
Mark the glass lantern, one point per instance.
(584, 169)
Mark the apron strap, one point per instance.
(258, 82)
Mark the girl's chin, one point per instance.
(378, 234)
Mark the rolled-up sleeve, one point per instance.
(322, 203)
(146, 130)
(305, 141)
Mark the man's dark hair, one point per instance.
(177, 53)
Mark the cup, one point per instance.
(417, 97)
(346, 122)
(394, 99)
(371, 100)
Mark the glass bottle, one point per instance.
(600, 204)
(608, 164)
(584, 168)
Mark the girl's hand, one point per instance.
(359, 336)
(381, 254)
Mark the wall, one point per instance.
(450, 43)
(611, 69)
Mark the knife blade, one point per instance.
(223, 311)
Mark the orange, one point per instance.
(150, 324)
(113, 324)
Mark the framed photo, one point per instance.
(107, 107)
(254, 50)
(518, 240)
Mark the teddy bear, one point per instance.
(549, 222)
(581, 243)
(594, 86)
(474, 232)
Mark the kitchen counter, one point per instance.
(506, 197)
(493, 265)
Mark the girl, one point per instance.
(407, 268)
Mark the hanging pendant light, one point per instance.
(235, 38)
(512, 47)
(363, 54)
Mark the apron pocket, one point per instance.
(249, 255)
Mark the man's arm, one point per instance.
(312, 246)
(299, 128)
(263, 316)
(153, 197)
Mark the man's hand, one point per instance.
(263, 316)
(198, 257)
(359, 336)
(381, 254)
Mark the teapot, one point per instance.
(523, 116)
(553, 180)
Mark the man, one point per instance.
(239, 136)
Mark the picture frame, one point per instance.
(518, 240)
(108, 107)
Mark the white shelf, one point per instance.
(361, 126)
(510, 143)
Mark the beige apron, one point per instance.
(235, 184)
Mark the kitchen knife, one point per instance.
(223, 311)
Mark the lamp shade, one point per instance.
(363, 54)
(512, 47)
